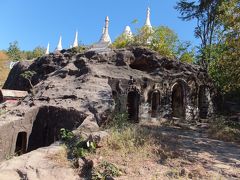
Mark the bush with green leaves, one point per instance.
(223, 129)
(28, 76)
(14, 51)
(121, 42)
(79, 49)
(105, 170)
(119, 121)
(160, 39)
(77, 146)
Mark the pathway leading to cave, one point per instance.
(214, 155)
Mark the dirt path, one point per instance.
(216, 157)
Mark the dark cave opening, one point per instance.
(49, 121)
(21, 143)
(155, 99)
(133, 100)
(203, 102)
(178, 101)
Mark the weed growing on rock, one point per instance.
(77, 146)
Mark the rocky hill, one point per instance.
(81, 91)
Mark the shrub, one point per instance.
(105, 170)
(224, 130)
(77, 146)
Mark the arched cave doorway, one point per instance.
(49, 121)
(21, 143)
(178, 100)
(203, 102)
(133, 100)
(155, 102)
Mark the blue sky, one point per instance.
(36, 22)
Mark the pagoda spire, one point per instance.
(105, 38)
(148, 21)
(47, 50)
(59, 46)
(75, 43)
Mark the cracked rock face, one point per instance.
(81, 91)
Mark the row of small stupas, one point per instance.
(105, 39)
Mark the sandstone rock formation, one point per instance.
(79, 91)
(45, 163)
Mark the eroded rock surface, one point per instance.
(45, 163)
(81, 91)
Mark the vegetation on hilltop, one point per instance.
(16, 54)
(160, 39)
(218, 23)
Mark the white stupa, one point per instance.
(127, 32)
(148, 25)
(47, 50)
(148, 21)
(59, 46)
(105, 38)
(75, 43)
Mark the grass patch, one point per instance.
(126, 138)
(60, 158)
(225, 130)
(105, 170)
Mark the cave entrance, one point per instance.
(155, 99)
(133, 100)
(203, 102)
(178, 101)
(21, 143)
(47, 125)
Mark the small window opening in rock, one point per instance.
(178, 101)
(155, 103)
(203, 102)
(133, 100)
(21, 143)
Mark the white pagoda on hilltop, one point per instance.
(105, 39)
(59, 46)
(148, 21)
(75, 43)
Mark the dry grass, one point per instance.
(60, 158)
(224, 130)
(140, 152)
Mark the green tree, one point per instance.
(162, 40)
(206, 13)
(28, 76)
(225, 69)
(122, 41)
(38, 52)
(14, 51)
(143, 36)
